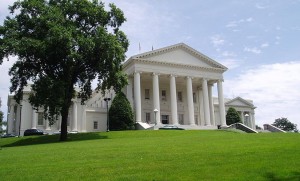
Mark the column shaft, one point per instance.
(189, 89)
(243, 117)
(201, 108)
(173, 99)
(137, 97)
(221, 103)
(211, 104)
(34, 119)
(156, 102)
(74, 125)
(206, 102)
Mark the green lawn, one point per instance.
(153, 155)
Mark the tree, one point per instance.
(232, 116)
(1, 118)
(121, 114)
(61, 44)
(285, 124)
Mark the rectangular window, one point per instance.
(147, 94)
(194, 97)
(196, 119)
(164, 95)
(180, 119)
(95, 125)
(40, 119)
(148, 117)
(179, 96)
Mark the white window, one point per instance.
(95, 125)
(148, 117)
(181, 119)
(147, 94)
(40, 119)
(179, 96)
(164, 95)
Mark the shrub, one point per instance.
(232, 116)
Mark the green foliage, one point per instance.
(285, 124)
(152, 155)
(60, 44)
(121, 114)
(232, 116)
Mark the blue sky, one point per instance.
(259, 41)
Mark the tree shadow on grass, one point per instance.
(35, 140)
(293, 176)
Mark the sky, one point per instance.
(258, 40)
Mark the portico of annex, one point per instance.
(178, 82)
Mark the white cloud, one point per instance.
(260, 6)
(217, 40)
(252, 50)
(274, 89)
(228, 54)
(230, 63)
(234, 24)
(264, 45)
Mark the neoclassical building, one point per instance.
(171, 85)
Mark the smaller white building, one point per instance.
(177, 81)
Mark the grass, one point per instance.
(152, 155)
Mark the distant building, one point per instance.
(176, 81)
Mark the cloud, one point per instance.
(217, 40)
(228, 54)
(264, 45)
(274, 88)
(234, 24)
(252, 50)
(230, 63)
(260, 6)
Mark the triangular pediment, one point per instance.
(239, 102)
(180, 54)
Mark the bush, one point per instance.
(121, 114)
(232, 116)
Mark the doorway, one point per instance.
(165, 119)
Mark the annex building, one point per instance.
(172, 85)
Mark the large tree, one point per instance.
(61, 44)
(232, 116)
(285, 124)
(121, 114)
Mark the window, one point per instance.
(148, 117)
(164, 95)
(196, 119)
(147, 94)
(194, 97)
(95, 125)
(40, 119)
(179, 96)
(180, 119)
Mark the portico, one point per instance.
(177, 81)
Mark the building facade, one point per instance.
(171, 85)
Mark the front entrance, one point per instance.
(165, 119)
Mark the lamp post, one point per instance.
(106, 100)
(155, 112)
(247, 117)
(20, 120)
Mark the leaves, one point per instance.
(285, 124)
(232, 116)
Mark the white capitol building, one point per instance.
(176, 81)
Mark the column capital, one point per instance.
(137, 72)
(190, 77)
(155, 73)
(173, 75)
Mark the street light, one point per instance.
(155, 111)
(106, 100)
(20, 119)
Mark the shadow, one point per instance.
(293, 176)
(35, 140)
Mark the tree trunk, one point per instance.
(65, 112)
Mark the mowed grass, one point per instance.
(153, 155)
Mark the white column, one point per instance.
(10, 119)
(129, 91)
(243, 117)
(173, 99)
(34, 119)
(253, 120)
(221, 103)
(83, 122)
(74, 124)
(189, 89)
(206, 103)
(47, 125)
(156, 102)
(137, 97)
(211, 104)
(201, 108)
